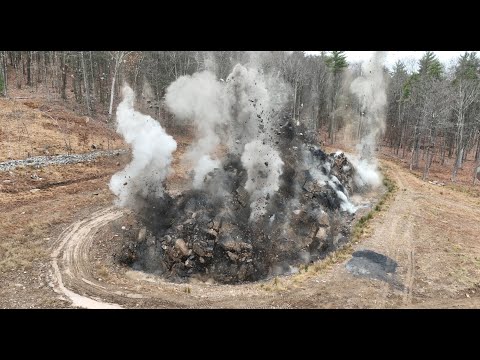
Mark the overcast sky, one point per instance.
(444, 56)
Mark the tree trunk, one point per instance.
(92, 75)
(18, 78)
(444, 146)
(430, 153)
(64, 77)
(85, 80)
(29, 63)
(4, 71)
(460, 147)
(110, 108)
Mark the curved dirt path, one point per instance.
(70, 258)
(430, 231)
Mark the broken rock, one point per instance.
(181, 247)
(197, 249)
(232, 256)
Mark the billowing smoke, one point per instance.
(264, 167)
(242, 109)
(255, 101)
(369, 87)
(204, 165)
(366, 171)
(199, 98)
(152, 150)
(261, 195)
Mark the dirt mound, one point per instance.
(198, 233)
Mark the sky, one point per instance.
(444, 56)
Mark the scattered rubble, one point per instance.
(40, 161)
(435, 182)
(200, 234)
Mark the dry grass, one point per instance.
(31, 220)
(31, 129)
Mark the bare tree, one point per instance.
(87, 87)
(4, 72)
(466, 93)
(117, 57)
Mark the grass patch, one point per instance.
(361, 225)
(274, 285)
(465, 189)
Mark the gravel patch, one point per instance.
(40, 161)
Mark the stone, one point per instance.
(321, 233)
(310, 186)
(236, 246)
(216, 224)
(167, 239)
(142, 234)
(313, 231)
(202, 260)
(181, 247)
(323, 219)
(242, 272)
(197, 249)
(189, 222)
(211, 234)
(151, 240)
(232, 256)
(34, 190)
(242, 195)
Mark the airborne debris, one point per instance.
(273, 200)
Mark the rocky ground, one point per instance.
(41, 161)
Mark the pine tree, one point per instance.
(337, 61)
(430, 65)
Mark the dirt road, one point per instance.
(432, 232)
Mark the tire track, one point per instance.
(70, 257)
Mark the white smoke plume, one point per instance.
(199, 98)
(254, 99)
(152, 150)
(204, 165)
(370, 87)
(264, 167)
(366, 172)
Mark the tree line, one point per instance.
(432, 114)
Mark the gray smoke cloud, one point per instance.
(370, 88)
(243, 110)
(255, 100)
(152, 150)
(264, 167)
(199, 99)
